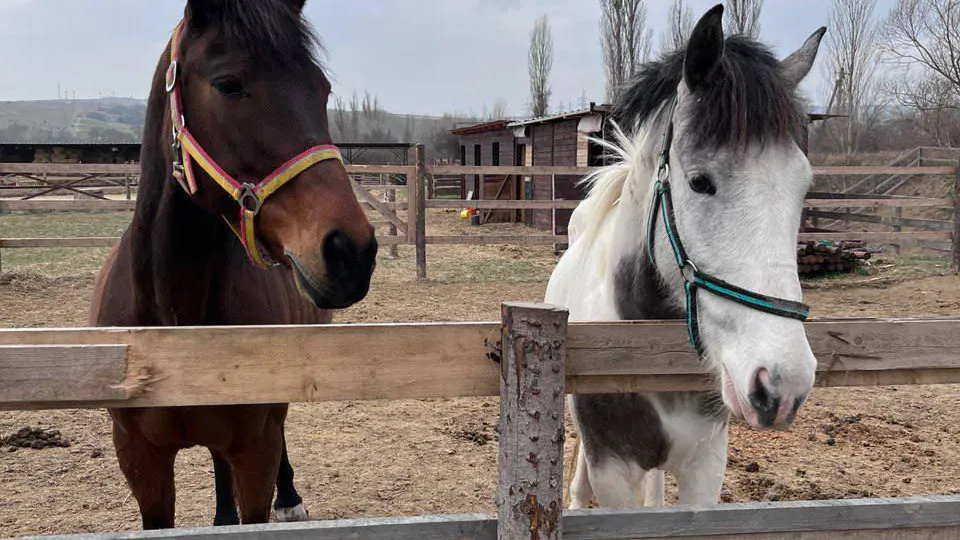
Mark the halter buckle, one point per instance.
(249, 200)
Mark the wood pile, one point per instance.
(817, 258)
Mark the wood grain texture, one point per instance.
(501, 205)
(66, 206)
(69, 168)
(866, 203)
(929, 224)
(58, 242)
(878, 236)
(915, 518)
(382, 207)
(417, 217)
(224, 365)
(530, 448)
(52, 373)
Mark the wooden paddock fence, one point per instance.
(400, 209)
(530, 359)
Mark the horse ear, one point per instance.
(796, 66)
(704, 49)
(298, 4)
(199, 11)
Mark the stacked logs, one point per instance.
(816, 258)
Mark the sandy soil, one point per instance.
(366, 459)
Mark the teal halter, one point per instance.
(693, 278)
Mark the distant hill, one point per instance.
(121, 120)
(83, 120)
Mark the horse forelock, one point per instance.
(747, 100)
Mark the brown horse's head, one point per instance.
(254, 96)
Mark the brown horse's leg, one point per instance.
(255, 468)
(226, 502)
(289, 504)
(149, 472)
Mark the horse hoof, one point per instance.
(296, 513)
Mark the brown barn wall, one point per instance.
(553, 144)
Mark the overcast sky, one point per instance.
(417, 56)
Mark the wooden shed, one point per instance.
(491, 144)
(561, 139)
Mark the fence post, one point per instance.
(956, 218)
(418, 204)
(530, 457)
(391, 197)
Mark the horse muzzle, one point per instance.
(339, 274)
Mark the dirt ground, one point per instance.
(368, 459)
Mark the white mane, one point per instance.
(606, 185)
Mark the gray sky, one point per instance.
(417, 56)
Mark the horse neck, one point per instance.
(639, 290)
(176, 246)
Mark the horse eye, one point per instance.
(701, 183)
(228, 86)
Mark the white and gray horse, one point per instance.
(697, 220)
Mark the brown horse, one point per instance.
(244, 216)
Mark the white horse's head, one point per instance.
(736, 179)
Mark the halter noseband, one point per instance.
(250, 197)
(693, 278)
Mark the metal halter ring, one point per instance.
(689, 271)
(664, 172)
(249, 195)
(172, 73)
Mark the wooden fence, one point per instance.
(402, 208)
(531, 359)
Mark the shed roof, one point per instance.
(482, 127)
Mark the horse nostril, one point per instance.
(764, 398)
(339, 253)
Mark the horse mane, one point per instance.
(605, 186)
(272, 31)
(748, 100)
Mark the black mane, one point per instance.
(748, 100)
(272, 31)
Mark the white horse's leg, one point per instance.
(614, 483)
(700, 476)
(652, 492)
(580, 490)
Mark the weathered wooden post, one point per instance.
(390, 197)
(417, 203)
(956, 218)
(530, 459)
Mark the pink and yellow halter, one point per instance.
(249, 197)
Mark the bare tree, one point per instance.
(624, 39)
(743, 17)
(341, 119)
(934, 102)
(679, 26)
(854, 55)
(923, 38)
(539, 67)
(499, 111)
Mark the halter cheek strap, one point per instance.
(693, 278)
(187, 151)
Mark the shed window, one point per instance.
(495, 158)
(463, 155)
(477, 155)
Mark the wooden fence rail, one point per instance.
(909, 518)
(531, 359)
(93, 367)
(411, 228)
